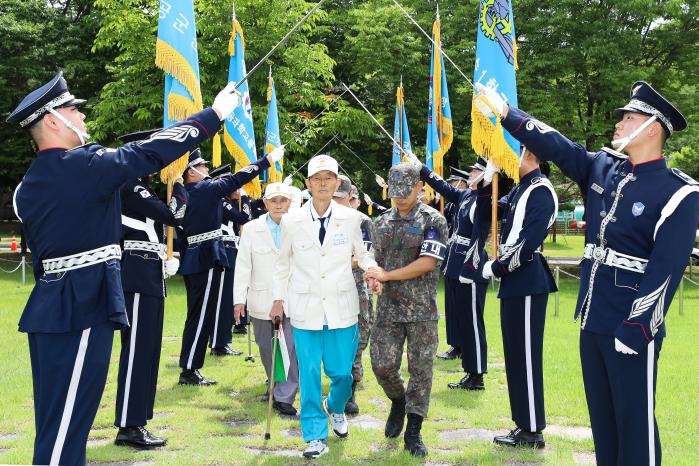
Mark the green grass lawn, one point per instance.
(564, 246)
(225, 424)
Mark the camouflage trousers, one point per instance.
(365, 321)
(387, 341)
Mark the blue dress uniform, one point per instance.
(641, 222)
(527, 212)
(221, 334)
(70, 208)
(204, 260)
(464, 302)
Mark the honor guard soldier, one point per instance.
(458, 180)
(70, 207)
(144, 268)
(314, 286)
(259, 248)
(464, 300)
(527, 213)
(204, 262)
(409, 246)
(342, 197)
(641, 223)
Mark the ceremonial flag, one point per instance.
(238, 133)
(272, 136)
(281, 359)
(439, 126)
(496, 63)
(176, 54)
(400, 128)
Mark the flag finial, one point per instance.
(437, 10)
(401, 80)
(233, 10)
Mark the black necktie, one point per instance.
(321, 233)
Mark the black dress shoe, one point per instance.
(194, 377)
(521, 438)
(225, 351)
(138, 437)
(451, 353)
(240, 329)
(284, 408)
(396, 419)
(470, 381)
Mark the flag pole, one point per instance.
(170, 232)
(494, 210)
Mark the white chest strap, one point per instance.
(148, 227)
(228, 228)
(673, 203)
(521, 209)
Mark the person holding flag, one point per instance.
(257, 254)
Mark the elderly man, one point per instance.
(257, 254)
(313, 283)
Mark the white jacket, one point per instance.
(254, 265)
(316, 282)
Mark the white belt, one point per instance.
(200, 238)
(612, 258)
(82, 259)
(231, 239)
(147, 246)
(458, 239)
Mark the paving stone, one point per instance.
(4, 450)
(162, 415)
(7, 437)
(239, 422)
(520, 463)
(569, 432)
(293, 432)
(233, 393)
(276, 452)
(171, 338)
(366, 421)
(584, 458)
(378, 402)
(469, 434)
(497, 365)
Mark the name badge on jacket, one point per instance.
(340, 238)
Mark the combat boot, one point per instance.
(396, 418)
(351, 407)
(412, 438)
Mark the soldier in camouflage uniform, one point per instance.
(408, 247)
(343, 196)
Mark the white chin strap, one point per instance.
(623, 142)
(200, 173)
(81, 134)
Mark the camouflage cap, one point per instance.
(354, 193)
(345, 187)
(402, 178)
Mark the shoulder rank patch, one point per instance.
(684, 177)
(614, 153)
(536, 180)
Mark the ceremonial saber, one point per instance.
(280, 43)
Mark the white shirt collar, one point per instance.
(314, 214)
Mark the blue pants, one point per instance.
(450, 308)
(470, 325)
(139, 360)
(69, 371)
(522, 320)
(336, 349)
(222, 334)
(620, 392)
(203, 297)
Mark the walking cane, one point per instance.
(249, 357)
(275, 342)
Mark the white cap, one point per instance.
(277, 189)
(320, 163)
(296, 196)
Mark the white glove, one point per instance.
(490, 170)
(367, 199)
(380, 181)
(493, 97)
(277, 154)
(465, 280)
(622, 348)
(171, 266)
(288, 180)
(226, 101)
(412, 158)
(487, 270)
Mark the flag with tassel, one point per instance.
(440, 133)
(176, 54)
(496, 64)
(272, 136)
(400, 128)
(238, 132)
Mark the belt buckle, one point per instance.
(598, 253)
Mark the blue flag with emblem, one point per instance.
(496, 63)
(272, 136)
(238, 132)
(176, 54)
(400, 128)
(440, 132)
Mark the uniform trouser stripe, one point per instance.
(218, 310)
(132, 350)
(70, 398)
(202, 314)
(476, 333)
(651, 401)
(528, 358)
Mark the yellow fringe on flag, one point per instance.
(169, 60)
(179, 107)
(489, 142)
(370, 209)
(514, 52)
(429, 193)
(236, 28)
(175, 169)
(216, 156)
(253, 188)
(384, 193)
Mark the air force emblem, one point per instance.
(637, 208)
